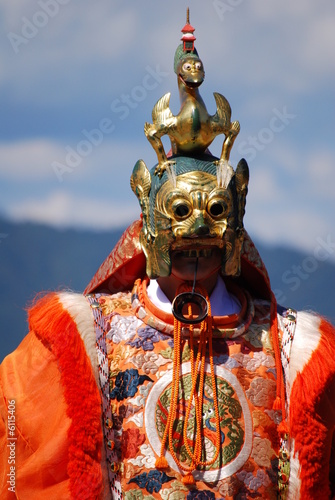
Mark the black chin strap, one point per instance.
(195, 274)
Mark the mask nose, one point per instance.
(201, 228)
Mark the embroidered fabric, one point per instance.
(287, 321)
(139, 357)
(107, 423)
(229, 326)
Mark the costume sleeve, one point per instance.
(33, 425)
(327, 412)
(312, 405)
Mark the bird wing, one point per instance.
(221, 119)
(161, 112)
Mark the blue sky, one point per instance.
(78, 80)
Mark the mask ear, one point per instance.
(140, 183)
(231, 265)
(242, 181)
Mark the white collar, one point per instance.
(222, 302)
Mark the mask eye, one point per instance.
(198, 65)
(177, 205)
(187, 66)
(181, 210)
(217, 208)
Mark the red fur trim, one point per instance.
(306, 426)
(58, 331)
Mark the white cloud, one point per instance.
(292, 196)
(62, 209)
(263, 188)
(289, 158)
(282, 43)
(28, 160)
(262, 55)
(282, 225)
(317, 46)
(31, 160)
(70, 46)
(319, 180)
(272, 11)
(104, 32)
(286, 44)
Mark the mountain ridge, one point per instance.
(35, 258)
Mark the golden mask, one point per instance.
(191, 209)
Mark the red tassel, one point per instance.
(283, 428)
(161, 463)
(188, 480)
(277, 403)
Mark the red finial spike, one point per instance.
(188, 38)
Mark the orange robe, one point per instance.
(57, 440)
(50, 404)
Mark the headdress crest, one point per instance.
(168, 190)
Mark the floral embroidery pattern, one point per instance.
(120, 301)
(168, 352)
(146, 338)
(258, 334)
(124, 412)
(262, 452)
(149, 362)
(252, 363)
(147, 459)
(137, 495)
(254, 336)
(228, 487)
(151, 481)
(262, 392)
(201, 495)
(176, 492)
(131, 441)
(227, 361)
(254, 482)
(122, 328)
(245, 377)
(261, 419)
(274, 415)
(137, 419)
(126, 384)
(139, 400)
(119, 354)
